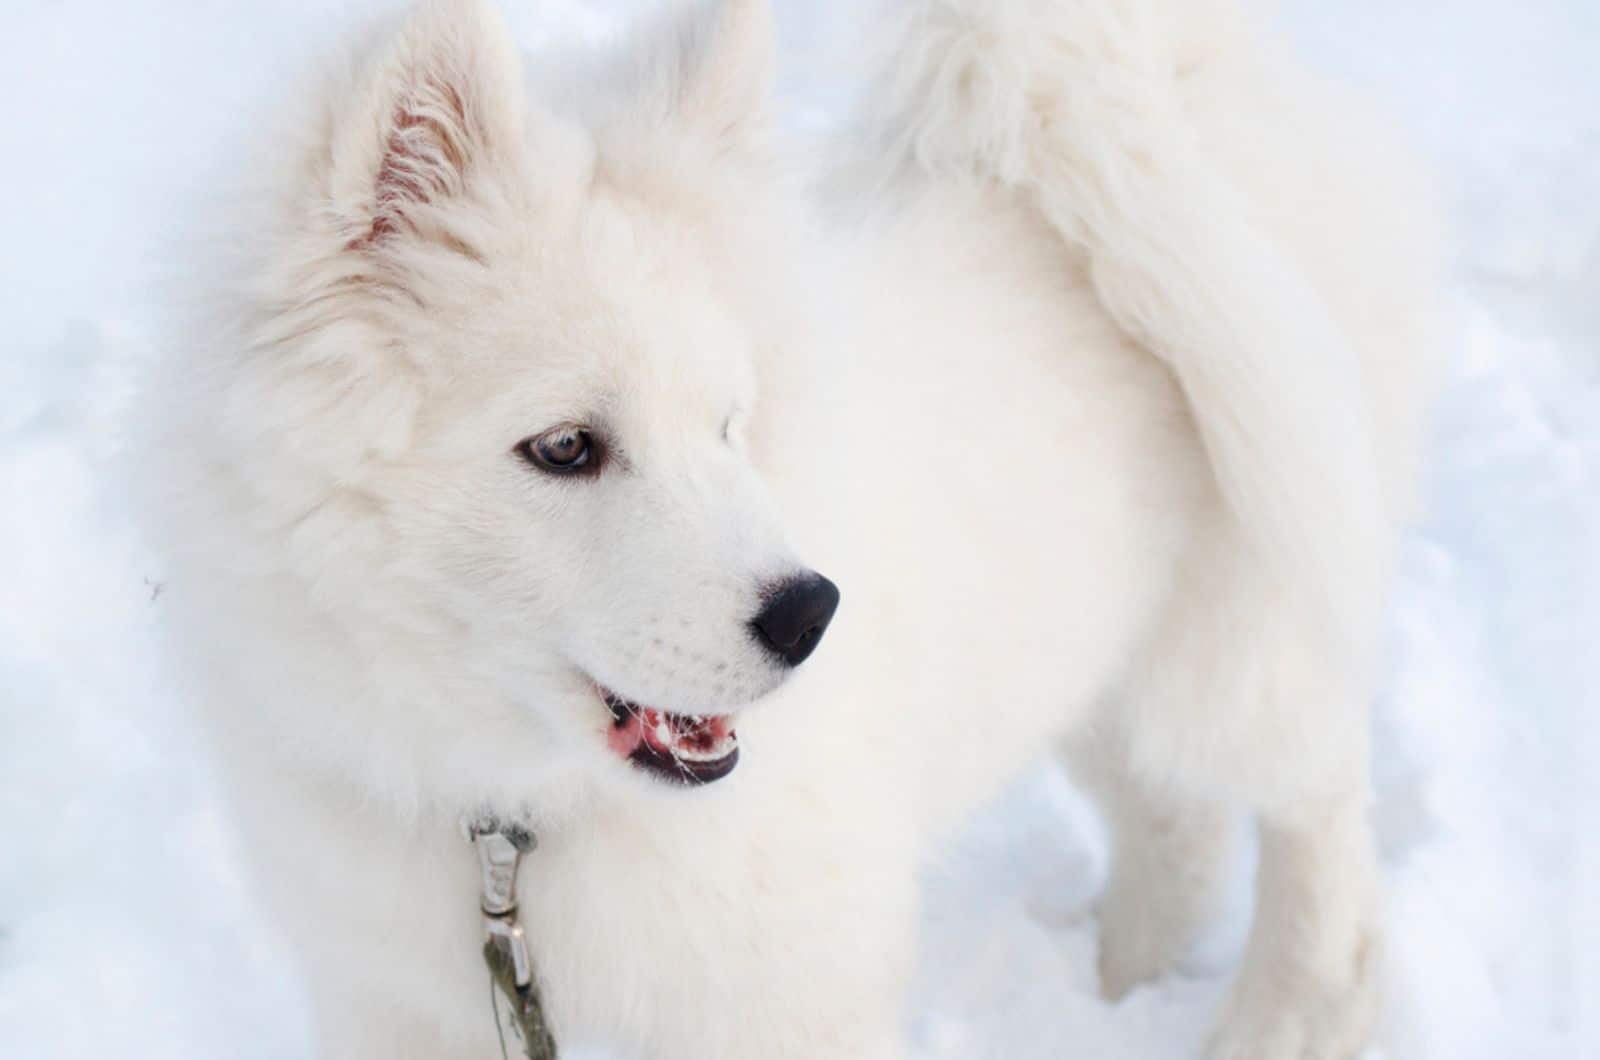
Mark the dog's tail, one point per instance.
(1076, 104)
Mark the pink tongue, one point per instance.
(664, 736)
(717, 729)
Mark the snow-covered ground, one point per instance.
(125, 926)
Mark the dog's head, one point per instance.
(506, 354)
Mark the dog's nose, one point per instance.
(795, 616)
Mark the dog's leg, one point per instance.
(1237, 701)
(1170, 861)
(1308, 985)
(1295, 749)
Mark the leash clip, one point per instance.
(500, 850)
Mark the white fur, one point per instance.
(1094, 384)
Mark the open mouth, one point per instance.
(683, 748)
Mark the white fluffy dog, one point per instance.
(1090, 370)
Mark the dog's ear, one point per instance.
(436, 118)
(729, 69)
(723, 61)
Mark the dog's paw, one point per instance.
(1151, 915)
(1287, 1020)
(1138, 943)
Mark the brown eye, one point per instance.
(563, 450)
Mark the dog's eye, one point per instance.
(563, 450)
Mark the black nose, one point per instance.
(795, 616)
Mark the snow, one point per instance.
(126, 926)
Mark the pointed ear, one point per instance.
(726, 64)
(436, 115)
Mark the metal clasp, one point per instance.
(500, 850)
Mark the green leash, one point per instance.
(527, 1013)
(500, 850)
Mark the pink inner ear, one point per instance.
(424, 158)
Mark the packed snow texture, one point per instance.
(126, 926)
